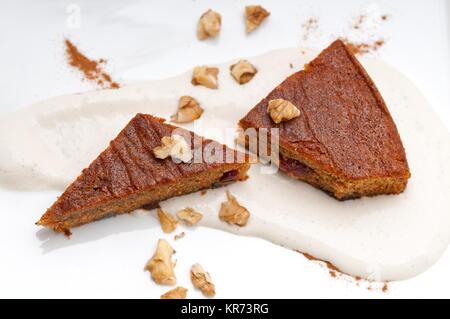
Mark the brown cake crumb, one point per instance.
(281, 110)
(254, 17)
(209, 25)
(176, 293)
(243, 71)
(189, 216)
(161, 266)
(179, 236)
(205, 76)
(233, 213)
(202, 280)
(167, 221)
(203, 192)
(188, 110)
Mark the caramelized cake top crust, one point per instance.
(129, 166)
(344, 127)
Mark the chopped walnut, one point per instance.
(189, 216)
(176, 293)
(174, 146)
(243, 71)
(167, 221)
(161, 265)
(205, 76)
(282, 110)
(188, 110)
(233, 213)
(254, 16)
(209, 25)
(179, 236)
(202, 280)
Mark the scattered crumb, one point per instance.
(179, 236)
(209, 25)
(281, 110)
(174, 146)
(254, 16)
(310, 26)
(167, 221)
(233, 213)
(188, 110)
(189, 216)
(203, 192)
(291, 65)
(363, 35)
(334, 272)
(161, 266)
(202, 280)
(363, 48)
(359, 21)
(243, 71)
(176, 293)
(205, 76)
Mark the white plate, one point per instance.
(93, 271)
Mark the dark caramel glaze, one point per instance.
(345, 127)
(128, 166)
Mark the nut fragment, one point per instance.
(282, 110)
(167, 221)
(205, 76)
(176, 293)
(243, 71)
(202, 280)
(209, 25)
(254, 16)
(189, 216)
(188, 110)
(233, 213)
(161, 265)
(174, 146)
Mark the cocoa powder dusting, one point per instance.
(310, 26)
(336, 273)
(92, 70)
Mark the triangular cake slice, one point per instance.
(128, 175)
(344, 141)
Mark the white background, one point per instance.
(156, 39)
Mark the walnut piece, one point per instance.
(209, 25)
(282, 110)
(174, 146)
(205, 76)
(254, 16)
(188, 110)
(189, 216)
(161, 265)
(176, 293)
(243, 71)
(233, 213)
(179, 236)
(202, 280)
(167, 221)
